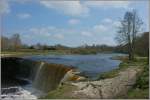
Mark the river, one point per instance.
(88, 65)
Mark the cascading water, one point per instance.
(49, 76)
(38, 73)
(42, 78)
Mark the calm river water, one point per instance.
(88, 65)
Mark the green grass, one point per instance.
(114, 73)
(24, 52)
(138, 62)
(30, 52)
(62, 92)
(138, 94)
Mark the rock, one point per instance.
(107, 88)
(71, 76)
(80, 78)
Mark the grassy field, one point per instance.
(62, 92)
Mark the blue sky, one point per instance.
(70, 23)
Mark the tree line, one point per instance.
(14, 43)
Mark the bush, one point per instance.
(143, 80)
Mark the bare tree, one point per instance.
(127, 33)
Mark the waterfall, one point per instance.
(38, 71)
(49, 76)
(43, 76)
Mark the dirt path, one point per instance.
(107, 88)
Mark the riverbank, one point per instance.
(119, 83)
(28, 53)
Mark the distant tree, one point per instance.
(38, 46)
(31, 47)
(127, 33)
(16, 42)
(4, 43)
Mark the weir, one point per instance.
(43, 76)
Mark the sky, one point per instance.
(70, 23)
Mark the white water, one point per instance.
(28, 91)
(23, 92)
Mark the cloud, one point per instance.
(108, 4)
(72, 8)
(116, 24)
(97, 34)
(103, 32)
(78, 8)
(43, 31)
(107, 21)
(24, 15)
(100, 28)
(73, 21)
(86, 33)
(49, 32)
(4, 7)
(58, 36)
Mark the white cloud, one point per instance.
(43, 31)
(86, 33)
(107, 21)
(59, 36)
(100, 28)
(104, 30)
(78, 8)
(4, 7)
(73, 8)
(116, 24)
(73, 21)
(108, 4)
(98, 34)
(49, 31)
(24, 15)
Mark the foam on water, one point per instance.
(21, 92)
